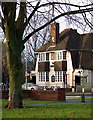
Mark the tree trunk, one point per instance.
(15, 92)
(13, 32)
(14, 63)
(15, 79)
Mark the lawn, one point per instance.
(47, 111)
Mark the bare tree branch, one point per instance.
(21, 17)
(63, 14)
(60, 3)
(33, 12)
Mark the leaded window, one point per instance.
(58, 76)
(60, 55)
(64, 55)
(43, 76)
(43, 56)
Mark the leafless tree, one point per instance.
(74, 21)
(18, 30)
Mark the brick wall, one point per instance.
(54, 33)
(40, 94)
(4, 94)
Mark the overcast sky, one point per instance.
(62, 21)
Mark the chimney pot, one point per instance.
(54, 34)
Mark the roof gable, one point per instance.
(68, 38)
(86, 54)
(80, 46)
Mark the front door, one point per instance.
(77, 80)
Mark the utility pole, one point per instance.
(26, 67)
(0, 49)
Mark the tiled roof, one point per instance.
(65, 41)
(86, 55)
(81, 47)
(43, 47)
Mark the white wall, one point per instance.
(49, 84)
(69, 69)
(36, 70)
(87, 73)
(69, 73)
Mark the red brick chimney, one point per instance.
(54, 34)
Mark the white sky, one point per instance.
(63, 24)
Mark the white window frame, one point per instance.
(42, 57)
(42, 77)
(46, 56)
(65, 55)
(60, 73)
(64, 73)
(59, 55)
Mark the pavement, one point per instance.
(79, 93)
(71, 97)
(68, 101)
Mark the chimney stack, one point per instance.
(54, 34)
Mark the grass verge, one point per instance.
(47, 111)
(86, 98)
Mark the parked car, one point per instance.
(2, 86)
(31, 86)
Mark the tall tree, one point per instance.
(14, 30)
(5, 75)
(36, 40)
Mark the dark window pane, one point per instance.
(47, 56)
(47, 76)
(58, 76)
(64, 55)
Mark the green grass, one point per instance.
(38, 101)
(4, 102)
(48, 111)
(86, 98)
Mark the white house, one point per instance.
(65, 59)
